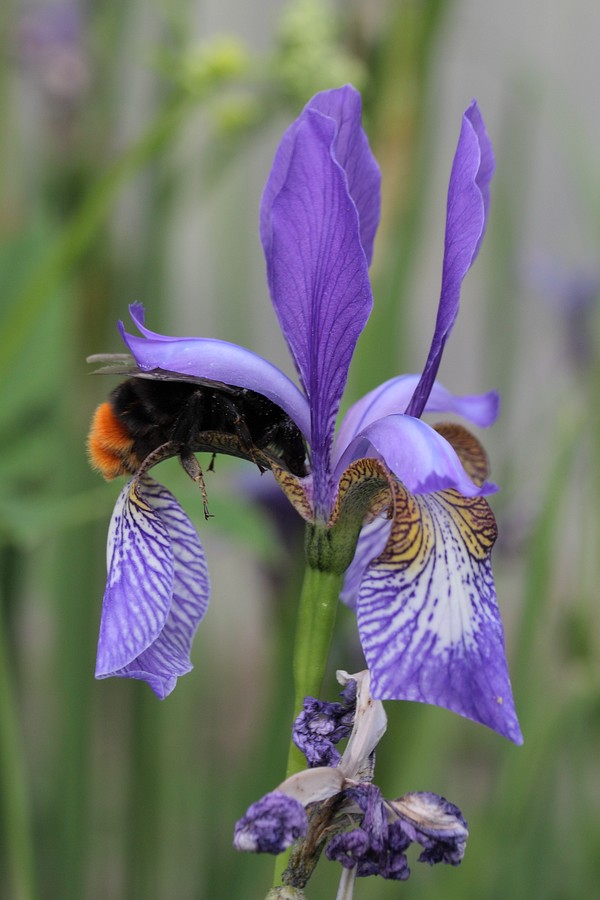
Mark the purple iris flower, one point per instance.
(420, 579)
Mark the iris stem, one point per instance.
(316, 619)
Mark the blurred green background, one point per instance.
(136, 138)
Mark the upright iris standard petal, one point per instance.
(157, 589)
(318, 274)
(427, 613)
(466, 214)
(218, 361)
(352, 152)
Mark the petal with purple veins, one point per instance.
(466, 215)
(351, 149)
(318, 275)
(157, 589)
(371, 542)
(427, 614)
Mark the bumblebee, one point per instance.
(153, 416)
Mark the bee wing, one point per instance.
(124, 364)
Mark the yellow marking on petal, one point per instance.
(137, 498)
(474, 519)
(413, 530)
(364, 492)
(468, 449)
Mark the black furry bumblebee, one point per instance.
(155, 415)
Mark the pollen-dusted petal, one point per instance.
(157, 588)
(466, 215)
(393, 397)
(428, 619)
(317, 273)
(419, 457)
(217, 361)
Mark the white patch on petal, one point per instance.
(139, 586)
(427, 613)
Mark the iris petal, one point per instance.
(317, 272)
(371, 542)
(427, 613)
(466, 215)
(420, 457)
(218, 361)
(157, 589)
(394, 395)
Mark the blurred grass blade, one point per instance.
(14, 801)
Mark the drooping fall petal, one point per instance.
(427, 613)
(157, 589)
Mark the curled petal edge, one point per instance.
(421, 458)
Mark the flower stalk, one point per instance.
(316, 619)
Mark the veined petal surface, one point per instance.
(352, 151)
(157, 589)
(428, 619)
(371, 542)
(420, 458)
(218, 361)
(466, 215)
(393, 397)
(317, 272)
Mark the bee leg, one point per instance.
(211, 465)
(165, 451)
(242, 432)
(237, 425)
(194, 470)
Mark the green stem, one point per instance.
(15, 812)
(316, 619)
